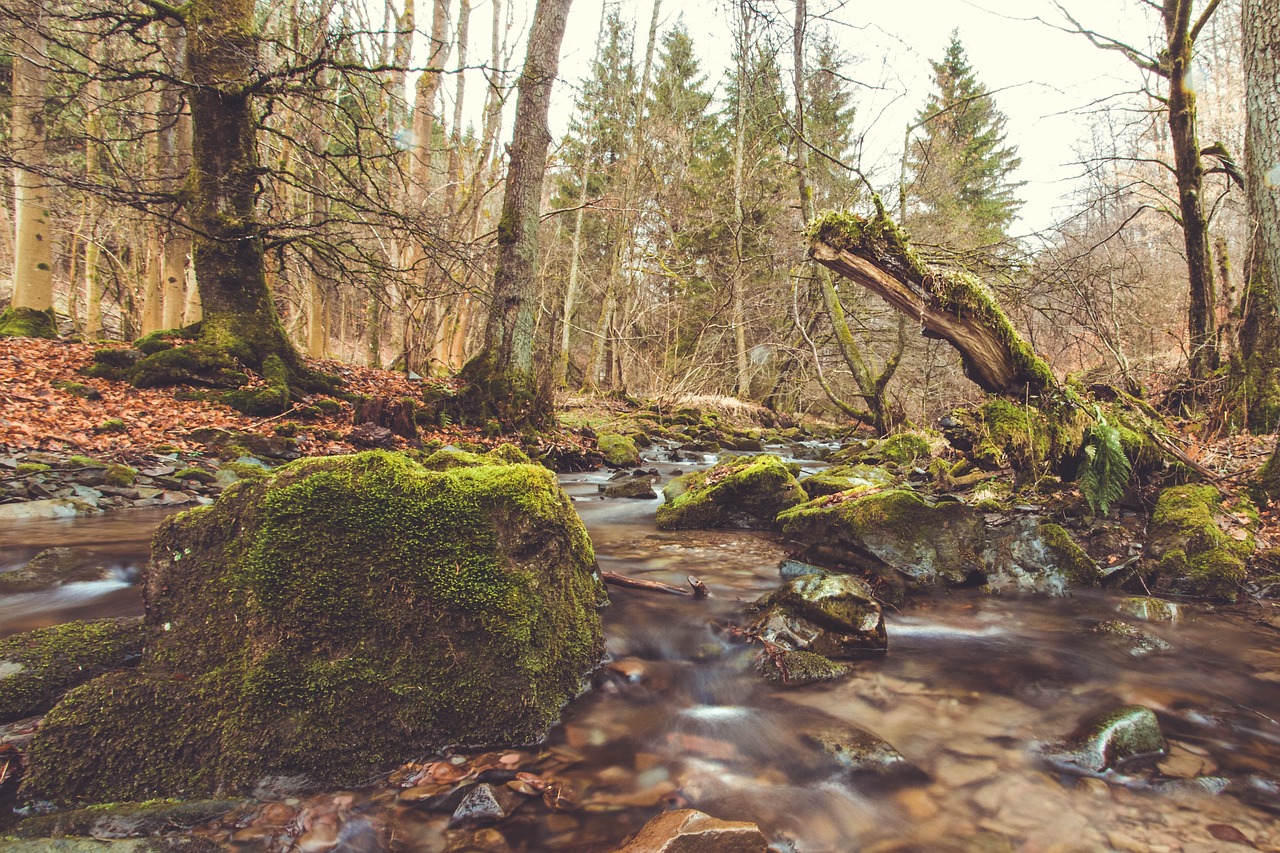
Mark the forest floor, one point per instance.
(48, 405)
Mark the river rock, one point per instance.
(858, 753)
(619, 451)
(844, 478)
(1126, 734)
(50, 508)
(796, 669)
(690, 831)
(745, 492)
(1131, 639)
(37, 667)
(630, 487)
(1031, 555)
(1151, 609)
(835, 616)
(53, 567)
(1196, 546)
(896, 534)
(483, 805)
(327, 621)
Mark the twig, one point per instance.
(636, 583)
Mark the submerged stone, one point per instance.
(795, 669)
(53, 567)
(631, 487)
(38, 667)
(1131, 639)
(858, 753)
(896, 534)
(835, 616)
(1151, 609)
(1198, 547)
(746, 491)
(331, 620)
(1127, 734)
(689, 831)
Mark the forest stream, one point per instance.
(970, 685)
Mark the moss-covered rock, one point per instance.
(1031, 555)
(1131, 639)
(836, 616)
(26, 469)
(273, 399)
(334, 619)
(37, 667)
(844, 478)
(121, 476)
(53, 567)
(28, 323)
(896, 534)
(1112, 739)
(1196, 546)
(745, 491)
(1151, 609)
(619, 451)
(796, 669)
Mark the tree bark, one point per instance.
(953, 306)
(502, 375)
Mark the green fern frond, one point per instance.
(1106, 469)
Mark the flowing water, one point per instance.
(970, 686)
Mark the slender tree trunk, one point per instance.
(742, 382)
(424, 104)
(175, 160)
(93, 155)
(33, 235)
(502, 376)
(1189, 171)
(455, 140)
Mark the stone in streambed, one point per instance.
(1131, 639)
(332, 619)
(1128, 733)
(1031, 555)
(860, 754)
(743, 492)
(690, 831)
(796, 669)
(53, 567)
(631, 487)
(835, 616)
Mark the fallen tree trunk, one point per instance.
(952, 306)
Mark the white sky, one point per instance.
(1044, 79)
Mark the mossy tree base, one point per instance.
(501, 396)
(209, 355)
(28, 323)
(450, 604)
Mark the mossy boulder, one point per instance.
(1031, 555)
(334, 619)
(1125, 735)
(835, 616)
(745, 491)
(619, 451)
(37, 667)
(796, 669)
(28, 323)
(53, 567)
(896, 534)
(844, 478)
(1197, 545)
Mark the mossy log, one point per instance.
(952, 306)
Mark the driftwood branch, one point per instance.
(699, 589)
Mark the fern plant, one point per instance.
(1105, 471)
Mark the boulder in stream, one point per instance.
(1198, 546)
(619, 451)
(38, 667)
(690, 831)
(844, 478)
(835, 616)
(745, 491)
(1031, 555)
(53, 567)
(859, 754)
(333, 619)
(1122, 736)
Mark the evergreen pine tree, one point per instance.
(959, 189)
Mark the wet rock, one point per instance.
(124, 820)
(630, 487)
(619, 451)
(746, 491)
(1127, 734)
(1196, 546)
(50, 508)
(483, 805)
(795, 669)
(1131, 639)
(844, 478)
(896, 534)
(440, 607)
(1031, 555)
(790, 569)
(858, 753)
(38, 667)
(835, 616)
(690, 831)
(1151, 609)
(51, 568)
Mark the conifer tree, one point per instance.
(959, 189)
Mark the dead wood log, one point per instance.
(953, 306)
(699, 589)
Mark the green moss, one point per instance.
(440, 607)
(619, 451)
(1189, 548)
(27, 468)
(245, 470)
(746, 491)
(328, 406)
(264, 402)
(200, 475)
(28, 323)
(797, 668)
(1077, 567)
(112, 425)
(84, 462)
(154, 342)
(120, 475)
(117, 357)
(37, 667)
(77, 389)
(903, 449)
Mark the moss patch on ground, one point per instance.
(745, 491)
(1198, 546)
(455, 606)
(28, 323)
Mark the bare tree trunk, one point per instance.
(501, 379)
(455, 139)
(33, 235)
(175, 161)
(743, 37)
